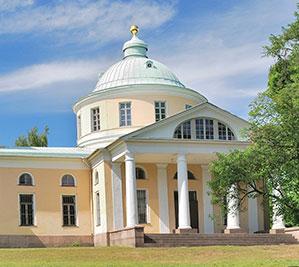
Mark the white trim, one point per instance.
(76, 210)
(75, 180)
(162, 180)
(34, 209)
(32, 177)
(148, 217)
(145, 171)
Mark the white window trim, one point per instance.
(34, 209)
(126, 117)
(32, 177)
(91, 119)
(145, 171)
(166, 109)
(75, 180)
(147, 205)
(96, 218)
(76, 210)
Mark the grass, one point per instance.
(283, 255)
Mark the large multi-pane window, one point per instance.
(26, 209)
(203, 128)
(224, 132)
(183, 131)
(98, 208)
(209, 129)
(160, 110)
(142, 206)
(125, 114)
(69, 210)
(95, 119)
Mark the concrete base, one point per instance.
(33, 241)
(234, 231)
(186, 231)
(277, 231)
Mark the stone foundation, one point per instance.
(129, 237)
(277, 231)
(186, 231)
(101, 240)
(30, 241)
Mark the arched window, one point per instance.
(203, 128)
(140, 173)
(25, 179)
(68, 180)
(190, 176)
(96, 178)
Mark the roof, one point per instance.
(48, 152)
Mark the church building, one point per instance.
(144, 144)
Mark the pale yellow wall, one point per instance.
(142, 107)
(48, 203)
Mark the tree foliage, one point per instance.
(33, 138)
(272, 161)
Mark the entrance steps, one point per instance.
(189, 240)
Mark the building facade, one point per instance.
(141, 162)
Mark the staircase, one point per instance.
(189, 240)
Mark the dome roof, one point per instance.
(136, 68)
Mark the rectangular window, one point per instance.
(79, 126)
(209, 129)
(199, 126)
(142, 206)
(95, 119)
(98, 208)
(221, 131)
(125, 114)
(187, 130)
(26, 210)
(69, 210)
(160, 110)
(187, 106)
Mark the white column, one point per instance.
(131, 197)
(183, 194)
(278, 223)
(207, 201)
(163, 198)
(233, 220)
(253, 224)
(117, 196)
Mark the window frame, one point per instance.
(34, 223)
(159, 116)
(95, 123)
(127, 111)
(98, 208)
(76, 210)
(79, 125)
(32, 179)
(144, 170)
(148, 221)
(61, 179)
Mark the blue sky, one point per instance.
(51, 53)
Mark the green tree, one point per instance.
(34, 138)
(272, 161)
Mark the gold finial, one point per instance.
(134, 30)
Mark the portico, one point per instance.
(162, 160)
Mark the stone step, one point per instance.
(174, 240)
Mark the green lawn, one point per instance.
(200, 256)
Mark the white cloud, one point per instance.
(42, 75)
(11, 5)
(86, 20)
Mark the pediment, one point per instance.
(165, 129)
